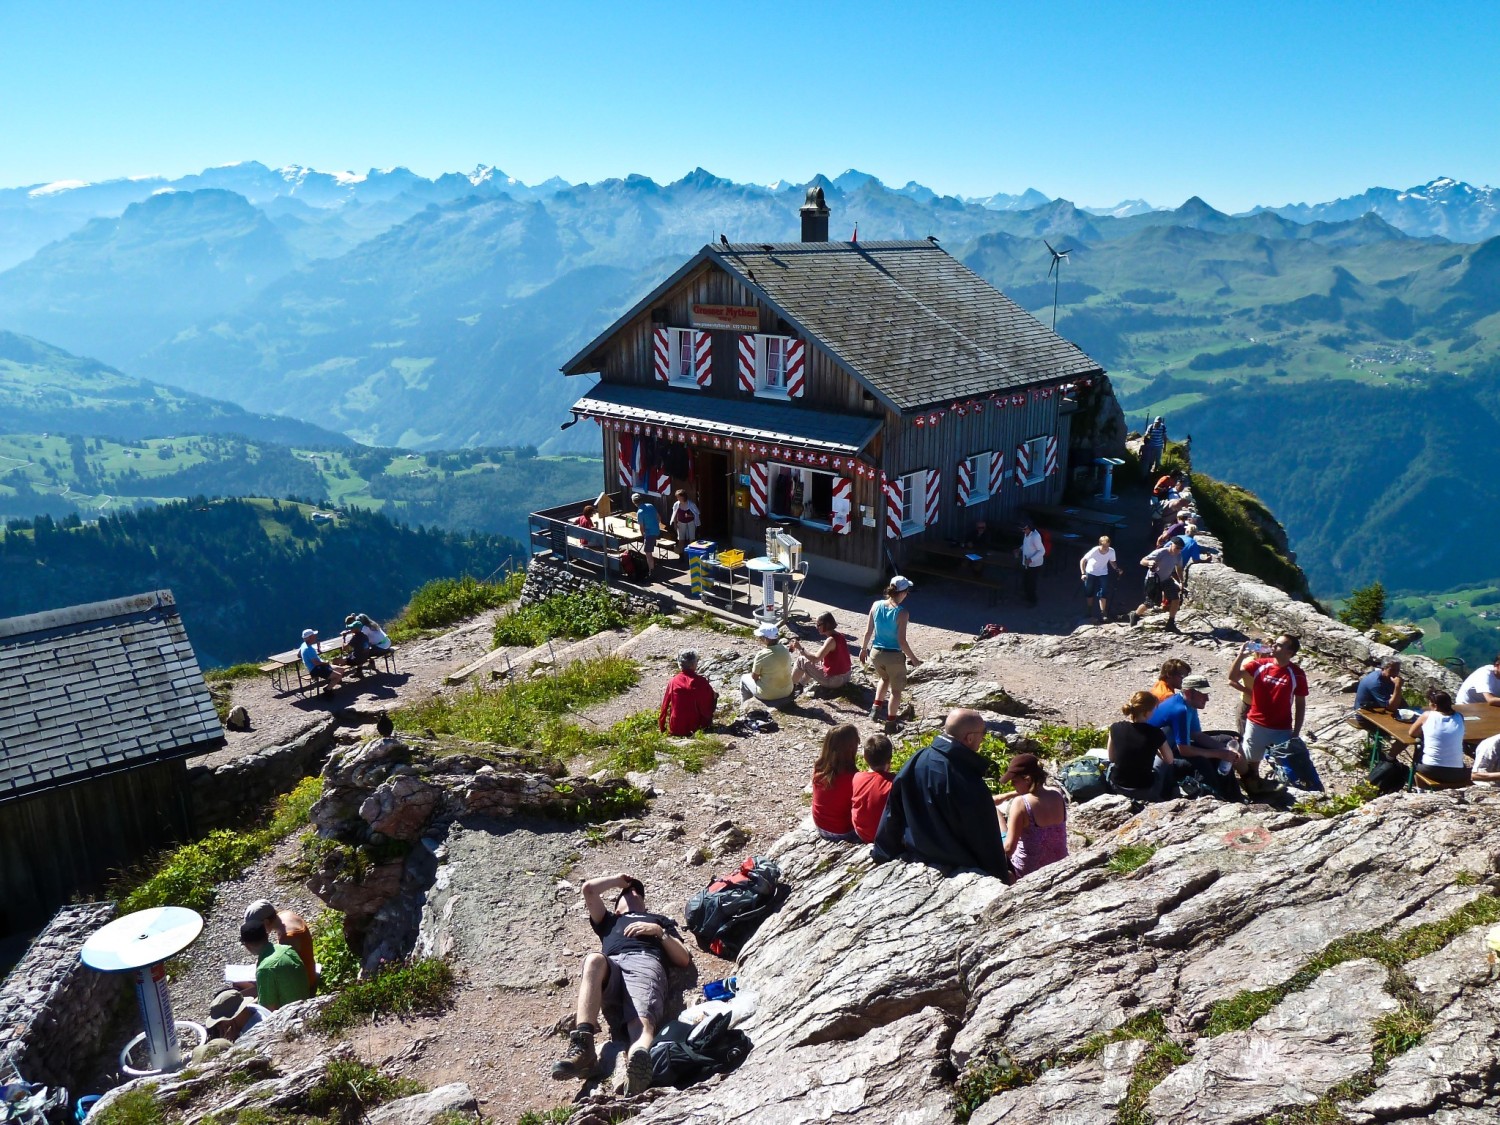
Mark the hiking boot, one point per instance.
(1171, 627)
(1133, 617)
(579, 1060)
(877, 710)
(638, 1071)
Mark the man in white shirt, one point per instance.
(1033, 553)
(1482, 686)
(1487, 761)
(1094, 569)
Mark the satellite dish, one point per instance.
(143, 938)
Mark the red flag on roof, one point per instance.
(856, 233)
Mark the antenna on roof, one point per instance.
(1057, 261)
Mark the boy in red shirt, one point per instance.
(872, 787)
(1278, 699)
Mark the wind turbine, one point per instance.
(1057, 261)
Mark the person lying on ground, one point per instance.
(688, 704)
(1169, 679)
(1036, 818)
(770, 675)
(280, 976)
(833, 784)
(1141, 763)
(626, 981)
(830, 666)
(1482, 685)
(1177, 716)
(317, 667)
(939, 810)
(1441, 730)
(872, 788)
(1278, 699)
(287, 927)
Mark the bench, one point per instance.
(284, 666)
(996, 587)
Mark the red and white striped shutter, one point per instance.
(661, 483)
(796, 372)
(1051, 456)
(965, 482)
(843, 489)
(703, 358)
(934, 500)
(760, 474)
(661, 353)
(997, 472)
(1023, 463)
(625, 453)
(747, 363)
(893, 508)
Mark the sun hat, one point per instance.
(226, 1005)
(308, 634)
(769, 632)
(900, 583)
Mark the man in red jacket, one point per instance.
(688, 704)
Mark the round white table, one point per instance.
(768, 568)
(139, 944)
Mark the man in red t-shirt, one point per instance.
(1278, 698)
(687, 706)
(829, 666)
(872, 787)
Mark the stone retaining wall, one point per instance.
(545, 577)
(225, 795)
(54, 1009)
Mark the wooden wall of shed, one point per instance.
(861, 547)
(60, 842)
(628, 357)
(911, 448)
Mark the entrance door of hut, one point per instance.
(715, 496)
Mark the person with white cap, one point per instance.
(885, 646)
(770, 675)
(317, 667)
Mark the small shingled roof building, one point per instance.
(101, 705)
(867, 396)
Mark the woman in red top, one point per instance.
(833, 784)
(828, 667)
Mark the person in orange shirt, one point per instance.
(872, 787)
(286, 927)
(1169, 679)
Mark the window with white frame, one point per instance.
(771, 368)
(913, 502)
(979, 478)
(1035, 460)
(803, 494)
(680, 371)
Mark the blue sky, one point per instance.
(1239, 103)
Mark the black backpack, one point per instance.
(716, 1048)
(728, 911)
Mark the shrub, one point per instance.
(232, 673)
(348, 1087)
(134, 1107)
(444, 601)
(596, 610)
(338, 965)
(424, 985)
(1365, 608)
(993, 749)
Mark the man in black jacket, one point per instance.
(939, 811)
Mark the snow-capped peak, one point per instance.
(57, 186)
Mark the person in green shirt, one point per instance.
(280, 976)
(770, 675)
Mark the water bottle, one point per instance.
(721, 989)
(1226, 767)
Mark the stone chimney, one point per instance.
(815, 217)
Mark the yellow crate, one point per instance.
(731, 559)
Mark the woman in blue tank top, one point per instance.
(885, 647)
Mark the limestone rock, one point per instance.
(239, 718)
(1090, 1091)
(423, 1109)
(400, 807)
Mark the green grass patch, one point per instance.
(1163, 1055)
(1062, 743)
(596, 610)
(555, 1116)
(1399, 1031)
(233, 673)
(993, 749)
(1129, 857)
(635, 743)
(1338, 805)
(982, 1081)
(446, 601)
(134, 1107)
(1143, 1025)
(702, 619)
(339, 965)
(424, 986)
(188, 875)
(349, 1087)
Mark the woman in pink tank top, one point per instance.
(1036, 828)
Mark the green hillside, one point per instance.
(249, 575)
(488, 491)
(1461, 623)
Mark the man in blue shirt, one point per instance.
(650, 521)
(317, 667)
(1178, 716)
(1380, 689)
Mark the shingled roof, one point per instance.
(97, 688)
(907, 319)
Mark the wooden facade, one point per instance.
(995, 420)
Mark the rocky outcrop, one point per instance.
(1250, 964)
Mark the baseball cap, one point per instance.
(1197, 683)
(901, 583)
(259, 910)
(1022, 765)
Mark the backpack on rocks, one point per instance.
(1084, 779)
(725, 914)
(712, 1047)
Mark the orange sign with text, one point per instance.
(728, 318)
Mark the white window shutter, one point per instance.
(747, 363)
(796, 372)
(842, 516)
(703, 358)
(661, 353)
(934, 501)
(893, 508)
(965, 481)
(1051, 456)
(997, 472)
(760, 473)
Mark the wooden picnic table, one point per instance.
(1481, 721)
(1056, 514)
